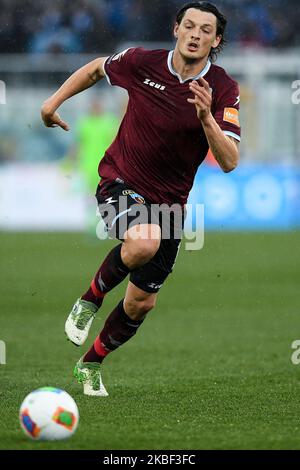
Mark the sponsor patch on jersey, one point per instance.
(231, 115)
(138, 198)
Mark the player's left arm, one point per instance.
(224, 148)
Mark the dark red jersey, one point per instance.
(161, 142)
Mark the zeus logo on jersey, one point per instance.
(154, 85)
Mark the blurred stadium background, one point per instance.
(242, 288)
(41, 44)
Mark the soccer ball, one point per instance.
(49, 414)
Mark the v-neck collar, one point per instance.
(201, 74)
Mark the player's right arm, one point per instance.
(79, 81)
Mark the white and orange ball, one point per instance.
(49, 414)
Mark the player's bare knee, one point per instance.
(146, 249)
(147, 305)
(138, 252)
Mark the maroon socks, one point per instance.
(111, 273)
(117, 330)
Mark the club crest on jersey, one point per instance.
(158, 86)
(138, 198)
(126, 192)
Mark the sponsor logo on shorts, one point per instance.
(231, 115)
(138, 198)
(152, 285)
(110, 200)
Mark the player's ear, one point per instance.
(217, 41)
(176, 30)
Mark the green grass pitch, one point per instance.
(210, 368)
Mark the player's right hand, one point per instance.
(53, 119)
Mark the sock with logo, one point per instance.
(111, 273)
(117, 330)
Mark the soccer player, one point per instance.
(180, 105)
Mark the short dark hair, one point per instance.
(221, 23)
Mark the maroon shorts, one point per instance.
(121, 208)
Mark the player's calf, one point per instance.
(138, 303)
(111, 273)
(120, 326)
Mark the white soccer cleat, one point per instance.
(80, 321)
(88, 373)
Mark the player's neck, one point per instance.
(185, 68)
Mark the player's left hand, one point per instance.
(202, 99)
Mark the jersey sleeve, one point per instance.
(120, 68)
(227, 111)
